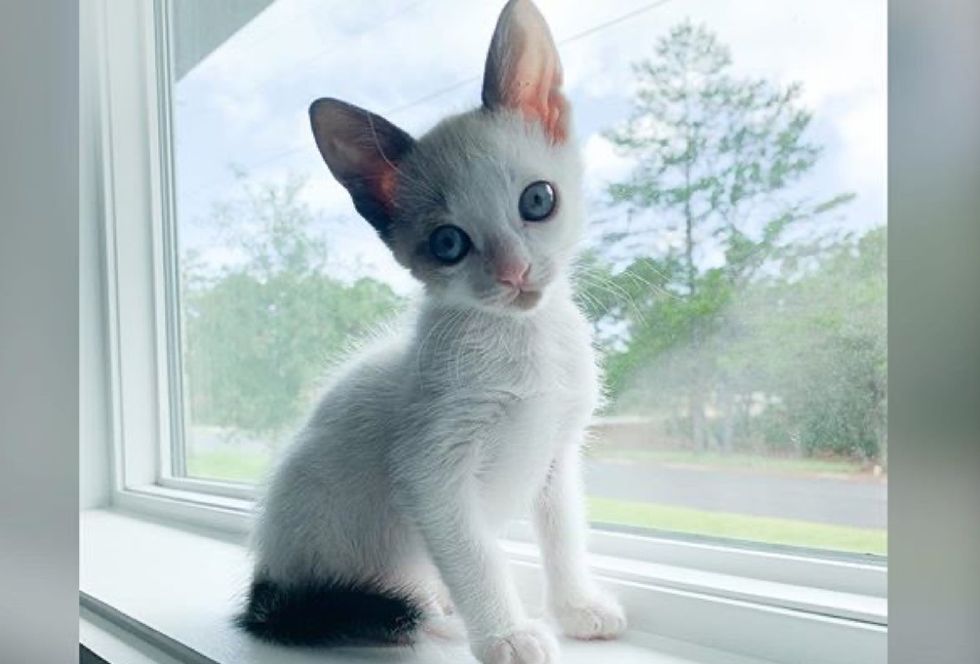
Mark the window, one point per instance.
(734, 267)
(220, 218)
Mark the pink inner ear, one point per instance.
(536, 92)
(380, 175)
(384, 187)
(531, 78)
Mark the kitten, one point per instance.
(383, 513)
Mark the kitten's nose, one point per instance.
(513, 273)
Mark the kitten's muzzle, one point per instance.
(513, 273)
(526, 299)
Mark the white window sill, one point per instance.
(152, 592)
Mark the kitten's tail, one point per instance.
(328, 613)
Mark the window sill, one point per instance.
(168, 593)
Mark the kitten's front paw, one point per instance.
(532, 643)
(596, 617)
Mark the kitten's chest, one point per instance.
(553, 393)
(548, 367)
(548, 356)
(512, 384)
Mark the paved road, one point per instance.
(848, 502)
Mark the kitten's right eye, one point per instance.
(537, 201)
(449, 244)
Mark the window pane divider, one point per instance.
(176, 461)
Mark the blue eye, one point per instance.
(537, 201)
(449, 244)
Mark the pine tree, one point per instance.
(716, 160)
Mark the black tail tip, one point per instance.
(328, 613)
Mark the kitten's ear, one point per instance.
(523, 71)
(362, 151)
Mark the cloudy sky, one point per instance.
(244, 105)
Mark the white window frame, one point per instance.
(142, 320)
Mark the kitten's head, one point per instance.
(485, 209)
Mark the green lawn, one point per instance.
(754, 462)
(237, 467)
(231, 465)
(738, 526)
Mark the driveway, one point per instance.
(859, 502)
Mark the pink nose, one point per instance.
(513, 273)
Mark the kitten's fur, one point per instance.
(384, 512)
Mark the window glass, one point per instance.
(734, 265)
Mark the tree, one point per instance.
(259, 334)
(716, 160)
(819, 342)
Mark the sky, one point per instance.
(244, 106)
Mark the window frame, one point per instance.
(140, 276)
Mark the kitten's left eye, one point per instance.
(537, 201)
(449, 244)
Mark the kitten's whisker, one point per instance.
(592, 304)
(450, 325)
(617, 292)
(645, 282)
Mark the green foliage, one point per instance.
(803, 348)
(712, 151)
(768, 325)
(258, 335)
(820, 343)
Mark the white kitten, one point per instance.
(384, 512)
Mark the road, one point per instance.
(859, 502)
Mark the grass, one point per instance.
(735, 461)
(231, 465)
(738, 526)
(236, 466)
(250, 467)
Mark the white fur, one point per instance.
(431, 438)
(418, 453)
